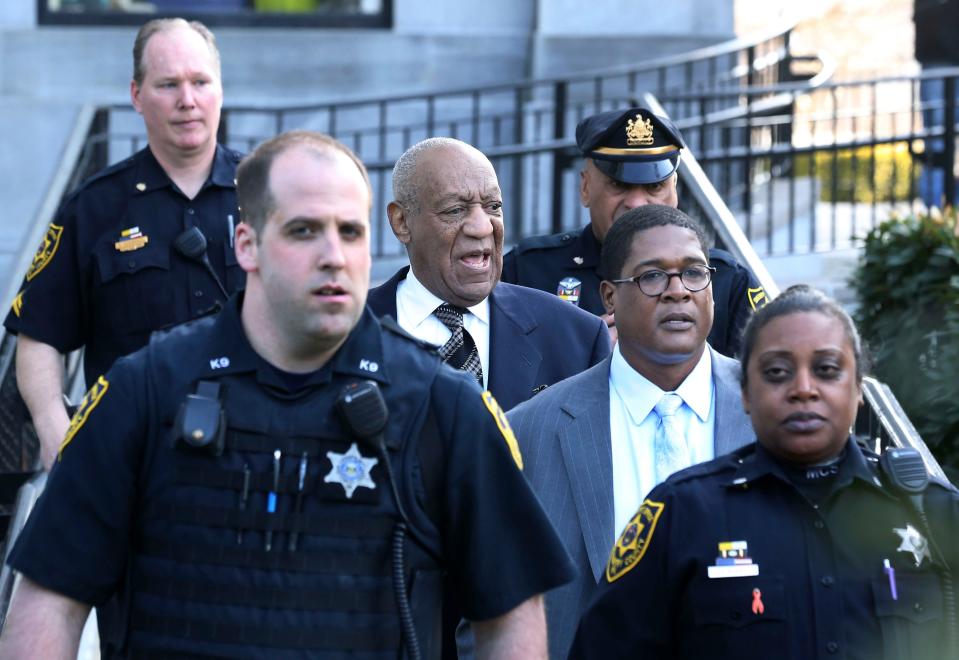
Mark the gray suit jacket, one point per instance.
(564, 435)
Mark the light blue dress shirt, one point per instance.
(633, 424)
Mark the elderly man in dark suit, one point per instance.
(596, 443)
(448, 212)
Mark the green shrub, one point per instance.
(907, 283)
(853, 173)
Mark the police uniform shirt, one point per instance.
(633, 424)
(567, 265)
(124, 509)
(107, 273)
(728, 560)
(415, 305)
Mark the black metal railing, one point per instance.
(528, 122)
(819, 171)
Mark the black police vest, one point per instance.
(242, 560)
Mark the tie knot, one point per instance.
(669, 404)
(450, 316)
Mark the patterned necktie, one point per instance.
(460, 350)
(672, 453)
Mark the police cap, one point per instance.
(633, 146)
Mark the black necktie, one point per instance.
(460, 350)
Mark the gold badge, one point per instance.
(46, 251)
(757, 297)
(131, 239)
(632, 543)
(17, 304)
(639, 133)
(504, 427)
(90, 401)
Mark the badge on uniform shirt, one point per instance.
(17, 304)
(351, 470)
(503, 424)
(48, 248)
(914, 543)
(131, 239)
(569, 289)
(733, 561)
(632, 543)
(757, 297)
(90, 401)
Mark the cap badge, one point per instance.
(578, 261)
(639, 133)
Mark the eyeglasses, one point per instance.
(655, 282)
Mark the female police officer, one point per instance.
(796, 547)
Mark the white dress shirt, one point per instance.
(415, 305)
(633, 423)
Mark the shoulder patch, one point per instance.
(90, 401)
(632, 543)
(17, 304)
(757, 297)
(504, 427)
(48, 248)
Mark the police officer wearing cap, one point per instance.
(291, 477)
(803, 546)
(142, 245)
(631, 159)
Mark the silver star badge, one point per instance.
(914, 543)
(350, 469)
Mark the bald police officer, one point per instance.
(631, 159)
(289, 478)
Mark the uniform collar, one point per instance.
(586, 248)
(150, 175)
(855, 466)
(229, 351)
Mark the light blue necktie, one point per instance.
(672, 452)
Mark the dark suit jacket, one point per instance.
(535, 338)
(564, 436)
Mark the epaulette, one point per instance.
(727, 462)
(389, 323)
(716, 254)
(119, 166)
(545, 242)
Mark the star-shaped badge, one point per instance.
(913, 542)
(351, 470)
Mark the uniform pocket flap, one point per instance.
(113, 262)
(919, 597)
(734, 602)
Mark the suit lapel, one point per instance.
(587, 453)
(731, 424)
(514, 358)
(382, 299)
